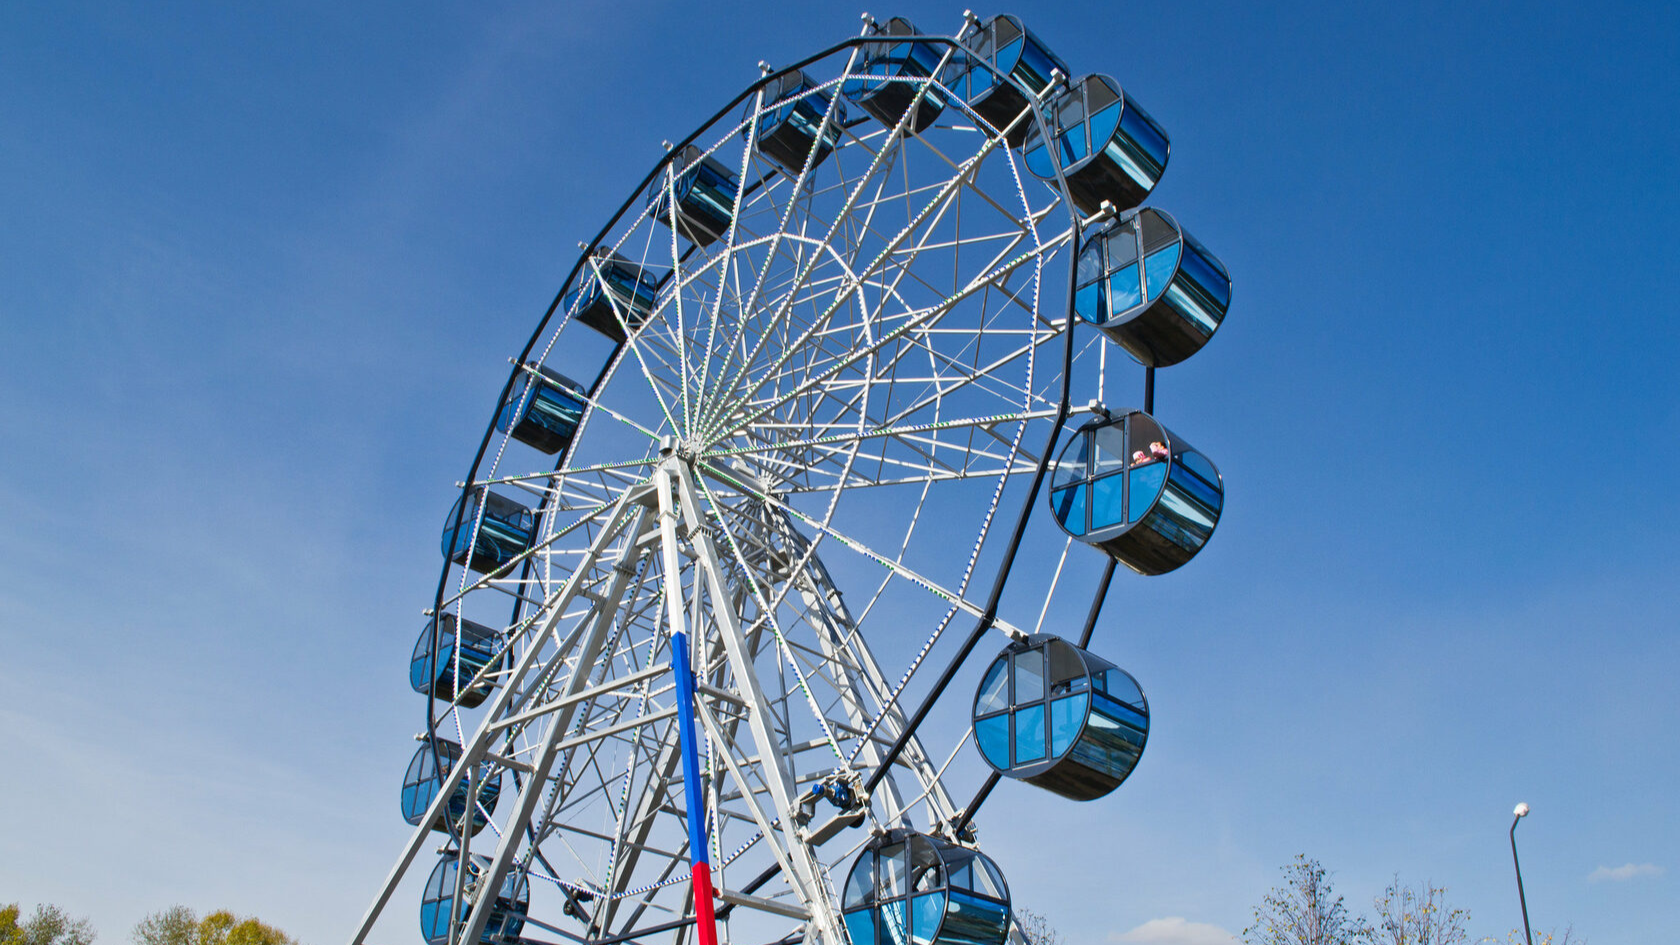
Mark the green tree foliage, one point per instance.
(1407, 916)
(178, 925)
(1305, 910)
(48, 926)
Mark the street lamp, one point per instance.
(1520, 812)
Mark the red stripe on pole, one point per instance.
(705, 920)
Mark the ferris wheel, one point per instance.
(778, 438)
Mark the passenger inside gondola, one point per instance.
(1126, 485)
(1157, 454)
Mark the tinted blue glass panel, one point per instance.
(416, 798)
(1009, 55)
(1198, 464)
(1113, 738)
(1082, 453)
(1069, 506)
(707, 189)
(992, 734)
(1088, 302)
(860, 885)
(891, 871)
(1124, 291)
(1107, 503)
(1194, 517)
(1037, 158)
(1066, 717)
(1029, 734)
(1136, 124)
(860, 927)
(472, 659)
(1029, 676)
(634, 289)
(1192, 305)
(972, 920)
(1196, 488)
(994, 689)
(1126, 717)
(1072, 142)
(1123, 687)
(1034, 67)
(1129, 719)
(927, 912)
(1104, 123)
(436, 902)
(1211, 281)
(894, 930)
(1158, 268)
(1110, 454)
(434, 920)
(1146, 486)
(1091, 262)
(975, 82)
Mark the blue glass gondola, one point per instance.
(1004, 44)
(1110, 149)
(705, 194)
(543, 409)
(438, 909)
(908, 888)
(1162, 310)
(612, 294)
(506, 530)
(1131, 487)
(1057, 717)
(425, 777)
(788, 130)
(880, 89)
(464, 649)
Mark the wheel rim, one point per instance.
(810, 368)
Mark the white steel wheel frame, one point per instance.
(799, 457)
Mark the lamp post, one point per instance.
(1520, 812)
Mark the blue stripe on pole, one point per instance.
(683, 669)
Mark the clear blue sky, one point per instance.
(261, 266)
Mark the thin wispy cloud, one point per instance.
(1625, 872)
(1175, 930)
